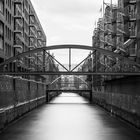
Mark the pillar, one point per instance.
(47, 94)
(91, 93)
(138, 30)
(91, 96)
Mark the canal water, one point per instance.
(69, 117)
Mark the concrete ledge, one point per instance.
(12, 113)
(129, 117)
(2, 119)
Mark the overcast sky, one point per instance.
(68, 22)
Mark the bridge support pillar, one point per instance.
(47, 94)
(90, 96)
(90, 93)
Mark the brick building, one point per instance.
(20, 31)
(117, 31)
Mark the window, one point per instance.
(6, 31)
(7, 50)
(133, 49)
(26, 4)
(10, 34)
(1, 35)
(6, 15)
(2, 6)
(1, 29)
(1, 42)
(10, 4)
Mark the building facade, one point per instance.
(20, 31)
(118, 30)
(6, 29)
(20, 28)
(28, 33)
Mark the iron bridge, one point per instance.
(10, 66)
(66, 90)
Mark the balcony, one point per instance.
(121, 11)
(126, 30)
(108, 43)
(132, 52)
(1, 32)
(18, 16)
(19, 63)
(19, 22)
(114, 21)
(33, 32)
(31, 69)
(129, 16)
(132, 34)
(17, 31)
(30, 57)
(128, 43)
(106, 33)
(132, 2)
(31, 15)
(31, 47)
(32, 36)
(132, 16)
(26, 8)
(20, 37)
(19, 48)
(117, 51)
(17, 1)
(39, 39)
(39, 55)
(32, 25)
(120, 30)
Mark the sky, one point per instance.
(68, 22)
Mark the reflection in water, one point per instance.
(69, 98)
(69, 117)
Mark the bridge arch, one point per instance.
(67, 76)
(70, 46)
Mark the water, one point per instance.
(69, 117)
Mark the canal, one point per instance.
(69, 117)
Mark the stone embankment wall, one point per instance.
(122, 98)
(19, 96)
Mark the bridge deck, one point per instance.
(63, 90)
(70, 73)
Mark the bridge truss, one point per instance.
(18, 66)
(26, 64)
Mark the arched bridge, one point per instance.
(14, 65)
(69, 86)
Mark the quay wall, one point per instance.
(121, 97)
(19, 96)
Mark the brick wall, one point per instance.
(121, 97)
